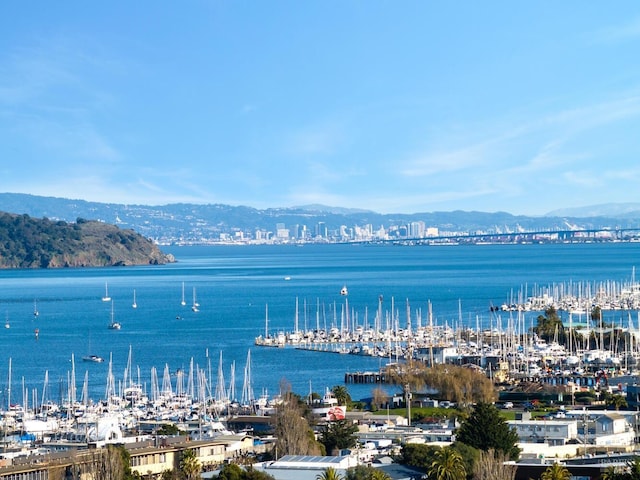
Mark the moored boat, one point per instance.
(93, 358)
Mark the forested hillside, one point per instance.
(27, 242)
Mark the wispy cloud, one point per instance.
(434, 163)
(48, 97)
(537, 142)
(582, 178)
(510, 158)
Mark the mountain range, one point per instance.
(202, 222)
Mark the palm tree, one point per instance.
(611, 473)
(379, 475)
(329, 474)
(633, 469)
(556, 472)
(189, 465)
(447, 465)
(342, 394)
(617, 402)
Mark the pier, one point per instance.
(366, 377)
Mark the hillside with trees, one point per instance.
(27, 242)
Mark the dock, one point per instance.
(366, 377)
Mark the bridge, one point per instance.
(534, 236)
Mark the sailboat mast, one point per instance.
(9, 388)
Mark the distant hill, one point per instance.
(336, 210)
(620, 210)
(197, 223)
(27, 242)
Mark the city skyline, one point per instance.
(409, 108)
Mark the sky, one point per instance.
(396, 107)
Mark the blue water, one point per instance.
(233, 285)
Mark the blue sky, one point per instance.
(524, 107)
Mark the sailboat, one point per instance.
(195, 305)
(106, 297)
(113, 325)
(134, 304)
(35, 308)
(6, 322)
(183, 302)
(91, 357)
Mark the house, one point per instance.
(550, 432)
(148, 459)
(606, 427)
(439, 354)
(612, 429)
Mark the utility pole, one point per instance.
(407, 391)
(585, 426)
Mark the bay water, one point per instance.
(234, 285)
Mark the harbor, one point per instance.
(294, 315)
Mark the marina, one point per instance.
(429, 303)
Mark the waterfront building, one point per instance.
(549, 432)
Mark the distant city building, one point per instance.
(321, 230)
(416, 229)
(282, 233)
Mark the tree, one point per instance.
(447, 465)
(169, 429)
(189, 465)
(633, 469)
(329, 474)
(616, 401)
(556, 472)
(468, 454)
(411, 372)
(550, 326)
(253, 474)
(379, 398)
(230, 471)
(377, 474)
(293, 433)
(454, 383)
(486, 429)
(613, 473)
(491, 465)
(342, 395)
(168, 474)
(338, 435)
(418, 455)
(366, 472)
(109, 464)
